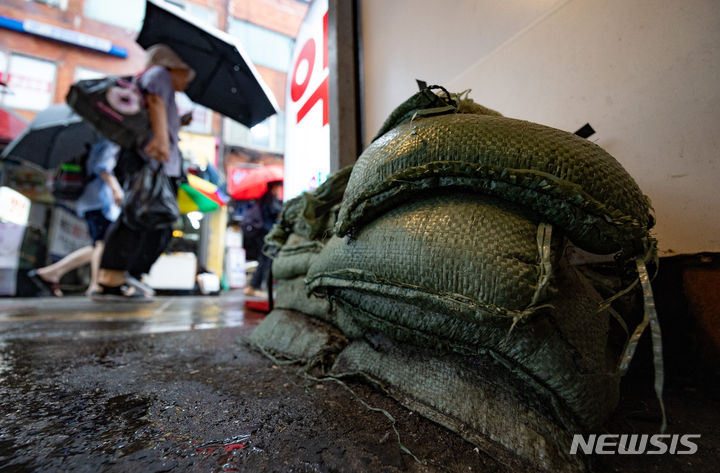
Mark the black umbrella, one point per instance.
(226, 79)
(55, 136)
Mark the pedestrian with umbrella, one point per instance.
(56, 136)
(131, 250)
(256, 223)
(226, 80)
(99, 204)
(211, 67)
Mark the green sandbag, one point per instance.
(311, 215)
(295, 336)
(461, 274)
(473, 396)
(469, 251)
(294, 258)
(291, 294)
(561, 352)
(571, 182)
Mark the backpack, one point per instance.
(252, 223)
(115, 106)
(71, 177)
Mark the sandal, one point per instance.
(133, 281)
(47, 288)
(123, 292)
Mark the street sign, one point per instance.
(307, 129)
(14, 207)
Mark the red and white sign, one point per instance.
(30, 82)
(14, 207)
(307, 129)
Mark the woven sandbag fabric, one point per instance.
(294, 258)
(454, 273)
(466, 250)
(311, 215)
(291, 334)
(561, 352)
(305, 224)
(488, 405)
(569, 181)
(291, 295)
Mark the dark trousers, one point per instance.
(130, 250)
(262, 272)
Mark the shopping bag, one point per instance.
(115, 106)
(150, 202)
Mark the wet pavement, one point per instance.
(170, 386)
(78, 317)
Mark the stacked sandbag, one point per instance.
(449, 239)
(571, 182)
(453, 273)
(445, 271)
(306, 223)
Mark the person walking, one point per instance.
(268, 208)
(99, 204)
(129, 253)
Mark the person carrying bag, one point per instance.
(148, 172)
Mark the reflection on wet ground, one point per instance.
(79, 317)
(87, 386)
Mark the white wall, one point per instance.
(645, 74)
(431, 40)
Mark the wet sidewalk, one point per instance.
(170, 386)
(78, 317)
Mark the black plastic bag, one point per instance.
(150, 202)
(115, 106)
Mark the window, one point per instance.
(61, 4)
(4, 60)
(129, 14)
(30, 82)
(126, 14)
(265, 47)
(200, 13)
(268, 135)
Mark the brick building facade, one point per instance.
(39, 71)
